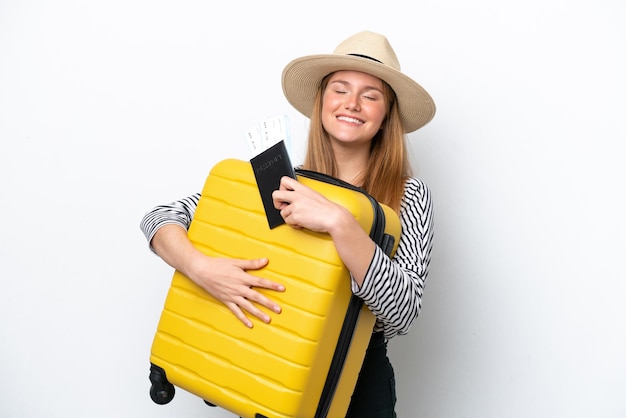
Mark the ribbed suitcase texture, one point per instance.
(306, 361)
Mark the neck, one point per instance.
(351, 163)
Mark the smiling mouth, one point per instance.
(349, 119)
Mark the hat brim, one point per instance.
(301, 79)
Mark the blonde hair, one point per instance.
(389, 165)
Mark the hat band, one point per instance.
(365, 56)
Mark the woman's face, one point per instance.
(353, 107)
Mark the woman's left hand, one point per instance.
(303, 207)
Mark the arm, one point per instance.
(303, 207)
(393, 288)
(227, 280)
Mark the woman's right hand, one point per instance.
(225, 279)
(228, 281)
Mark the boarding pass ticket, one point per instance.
(266, 133)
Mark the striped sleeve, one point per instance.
(179, 212)
(393, 288)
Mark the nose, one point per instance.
(352, 103)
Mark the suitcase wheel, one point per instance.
(161, 391)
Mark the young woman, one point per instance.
(361, 108)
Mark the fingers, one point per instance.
(282, 197)
(253, 264)
(264, 283)
(250, 302)
(252, 295)
(248, 299)
(239, 314)
(255, 281)
(287, 183)
(244, 305)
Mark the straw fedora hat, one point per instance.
(367, 52)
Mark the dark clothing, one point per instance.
(375, 392)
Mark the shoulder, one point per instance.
(416, 199)
(415, 188)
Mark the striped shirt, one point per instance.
(392, 288)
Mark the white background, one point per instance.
(108, 108)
